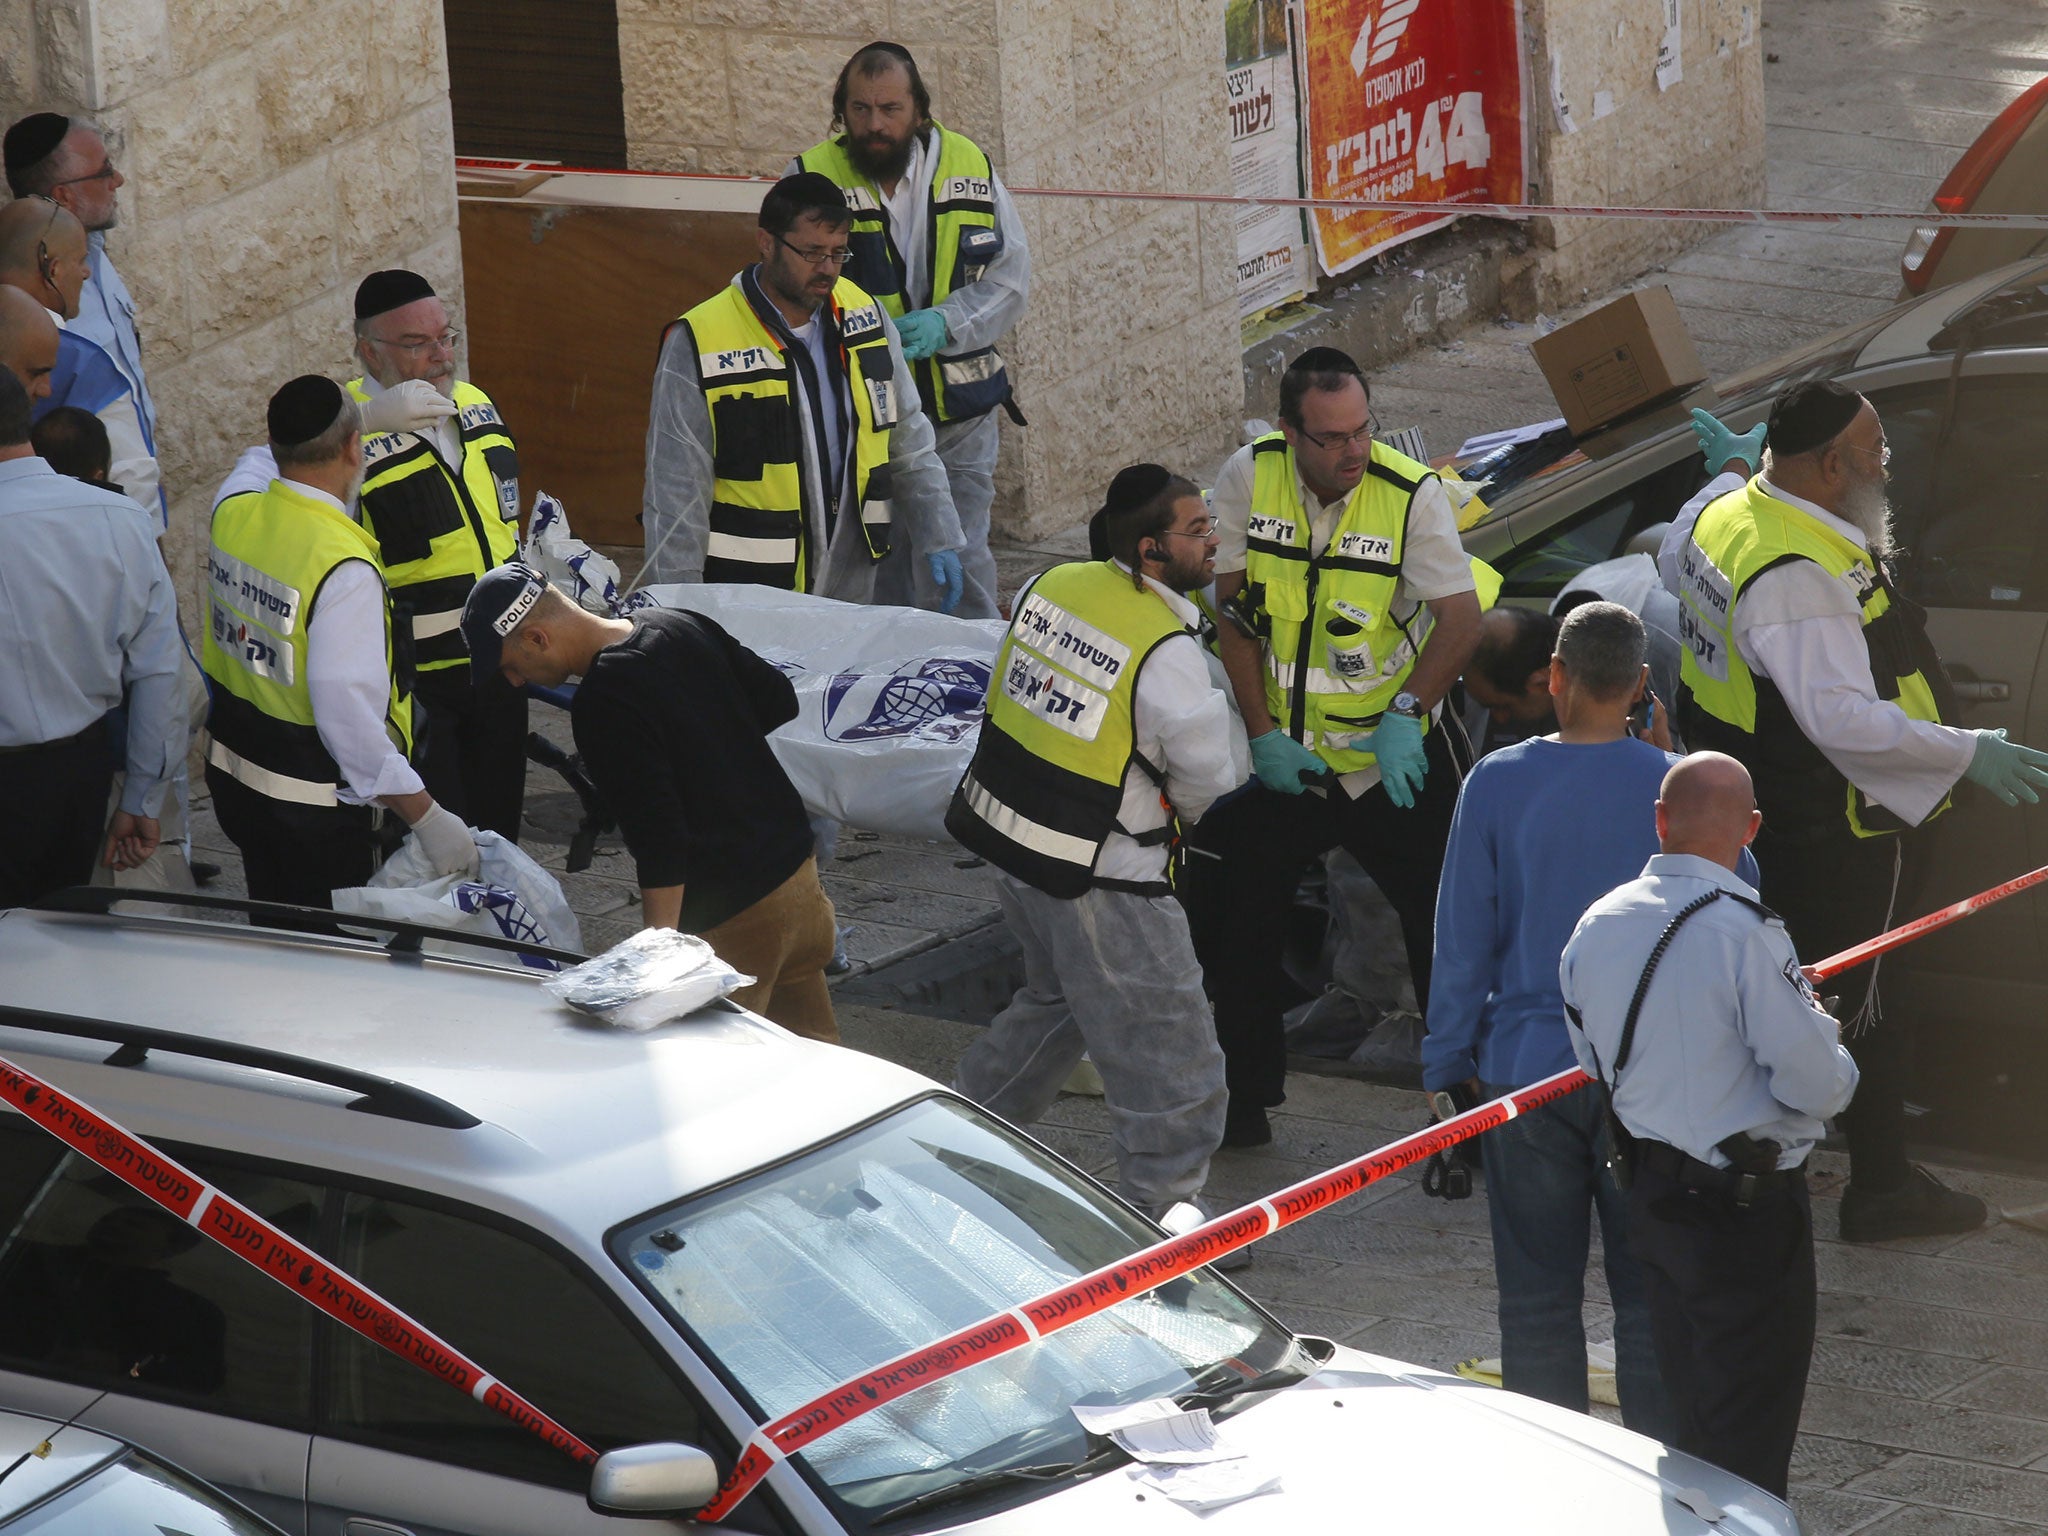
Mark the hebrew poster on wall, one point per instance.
(1408, 100)
(1265, 152)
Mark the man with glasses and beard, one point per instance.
(937, 240)
(1104, 734)
(440, 495)
(785, 443)
(1804, 663)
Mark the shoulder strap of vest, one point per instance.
(1273, 442)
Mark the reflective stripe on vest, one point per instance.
(760, 528)
(1736, 539)
(1042, 794)
(438, 531)
(1335, 655)
(962, 239)
(272, 552)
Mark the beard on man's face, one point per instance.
(879, 157)
(1870, 510)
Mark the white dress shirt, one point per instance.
(349, 679)
(1803, 629)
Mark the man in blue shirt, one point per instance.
(1722, 1084)
(1543, 829)
(88, 612)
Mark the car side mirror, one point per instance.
(664, 1478)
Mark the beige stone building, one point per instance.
(277, 151)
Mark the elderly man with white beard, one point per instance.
(1805, 663)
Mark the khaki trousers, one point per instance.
(785, 939)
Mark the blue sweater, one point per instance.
(1543, 830)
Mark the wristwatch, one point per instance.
(1405, 703)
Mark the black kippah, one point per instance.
(1324, 360)
(303, 409)
(1135, 486)
(382, 292)
(31, 141)
(1808, 415)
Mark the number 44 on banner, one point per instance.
(1467, 143)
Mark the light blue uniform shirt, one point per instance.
(106, 314)
(87, 611)
(1729, 1039)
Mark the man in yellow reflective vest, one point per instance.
(1104, 731)
(1350, 608)
(440, 497)
(785, 443)
(937, 240)
(1804, 662)
(311, 720)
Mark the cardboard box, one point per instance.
(1619, 359)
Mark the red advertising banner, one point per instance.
(1409, 100)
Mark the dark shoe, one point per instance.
(1249, 1129)
(204, 874)
(1923, 1206)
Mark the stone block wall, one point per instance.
(1129, 349)
(273, 157)
(1699, 144)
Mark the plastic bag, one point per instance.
(655, 976)
(582, 574)
(512, 898)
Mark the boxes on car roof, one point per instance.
(1620, 358)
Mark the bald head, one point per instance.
(43, 253)
(28, 341)
(1707, 807)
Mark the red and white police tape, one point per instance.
(349, 1302)
(248, 1236)
(1923, 218)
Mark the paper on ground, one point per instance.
(1158, 1431)
(1211, 1485)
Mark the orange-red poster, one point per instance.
(1409, 99)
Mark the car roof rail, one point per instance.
(406, 938)
(380, 1095)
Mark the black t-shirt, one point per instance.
(672, 724)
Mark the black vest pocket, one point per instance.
(502, 460)
(750, 432)
(408, 515)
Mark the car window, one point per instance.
(100, 1286)
(138, 1494)
(528, 1314)
(1540, 567)
(1969, 491)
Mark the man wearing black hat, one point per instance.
(66, 159)
(937, 240)
(311, 723)
(1805, 664)
(786, 445)
(440, 495)
(671, 719)
(1104, 734)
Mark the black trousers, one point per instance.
(58, 793)
(297, 854)
(1731, 1293)
(472, 753)
(1245, 860)
(1834, 893)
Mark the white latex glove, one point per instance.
(449, 845)
(413, 406)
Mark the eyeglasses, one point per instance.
(1331, 442)
(104, 173)
(838, 258)
(1883, 452)
(447, 341)
(1205, 529)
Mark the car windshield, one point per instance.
(900, 1233)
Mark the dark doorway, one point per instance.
(536, 80)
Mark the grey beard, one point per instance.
(1868, 508)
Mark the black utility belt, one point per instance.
(84, 738)
(1694, 1174)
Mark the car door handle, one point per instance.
(1982, 690)
(356, 1525)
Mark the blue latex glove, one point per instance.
(1397, 743)
(2010, 771)
(923, 332)
(1282, 763)
(1722, 446)
(948, 577)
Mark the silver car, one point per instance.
(1960, 379)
